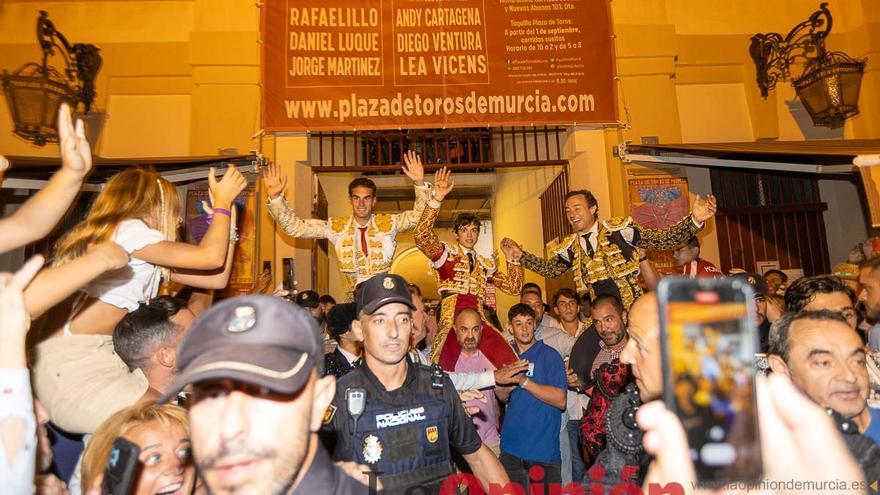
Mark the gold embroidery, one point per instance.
(338, 224)
(383, 223)
(670, 237)
(617, 223)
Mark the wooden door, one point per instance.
(770, 216)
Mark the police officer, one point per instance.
(399, 418)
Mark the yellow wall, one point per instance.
(181, 77)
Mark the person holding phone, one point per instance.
(364, 242)
(531, 428)
(164, 462)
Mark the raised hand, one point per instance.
(413, 168)
(114, 256)
(274, 181)
(76, 155)
(704, 209)
(442, 183)
(16, 319)
(263, 282)
(511, 249)
(226, 189)
(791, 427)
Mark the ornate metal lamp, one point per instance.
(35, 91)
(829, 84)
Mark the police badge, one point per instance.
(372, 449)
(243, 319)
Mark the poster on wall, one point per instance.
(387, 64)
(657, 202)
(244, 265)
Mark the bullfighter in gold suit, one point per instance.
(364, 242)
(604, 256)
(463, 278)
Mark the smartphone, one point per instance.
(709, 341)
(122, 469)
(267, 266)
(289, 276)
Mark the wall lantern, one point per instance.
(35, 91)
(829, 84)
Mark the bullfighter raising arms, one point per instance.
(604, 255)
(463, 276)
(364, 242)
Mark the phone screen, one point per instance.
(709, 345)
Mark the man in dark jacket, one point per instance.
(347, 353)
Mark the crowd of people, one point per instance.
(278, 393)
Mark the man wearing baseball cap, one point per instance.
(400, 418)
(310, 300)
(254, 363)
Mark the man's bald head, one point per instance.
(642, 351)
(644, 317)
(468, 330)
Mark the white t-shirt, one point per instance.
(137, 282)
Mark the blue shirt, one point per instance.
(531, 426)
(873, 431)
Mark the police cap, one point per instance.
(260, 340)
(380, 290)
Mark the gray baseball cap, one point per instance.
(260, 340)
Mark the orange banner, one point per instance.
(358, 64)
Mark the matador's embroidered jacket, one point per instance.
(614, 267)
(460, 287)
(343, 233)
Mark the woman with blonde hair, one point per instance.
(77, 374)
(162, 433)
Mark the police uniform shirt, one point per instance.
(406, 434)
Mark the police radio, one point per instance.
(355, 402)
(436, 376)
